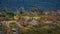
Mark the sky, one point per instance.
(27, 4)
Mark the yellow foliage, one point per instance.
(16, 17)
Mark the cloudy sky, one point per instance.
(27, 4)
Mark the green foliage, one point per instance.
(42, 18)
(13, 25)
(10, 15)
(2, 15)
(21, 12)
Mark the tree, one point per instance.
(10, 14)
